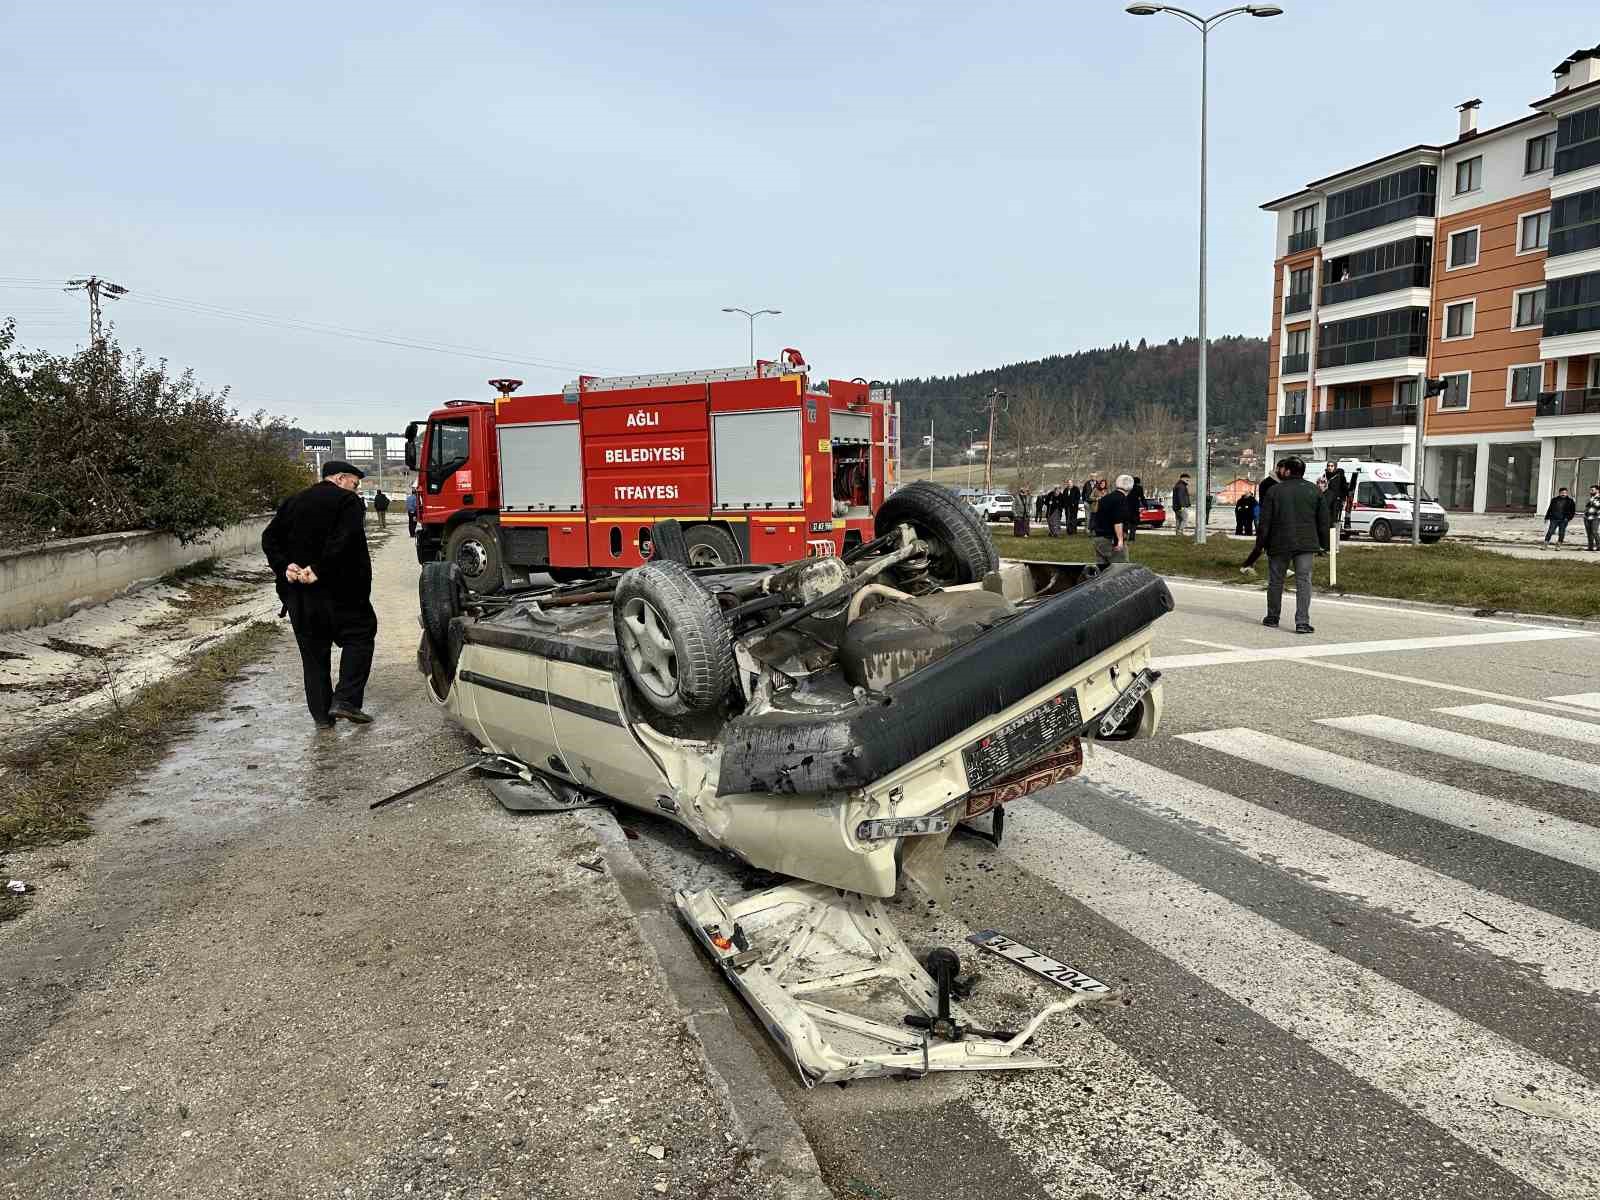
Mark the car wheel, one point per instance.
(674, 641)
(474, 548)
(961, 548)
(710, 546)
(441, 597)
(1381, 531)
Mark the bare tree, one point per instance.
(1030, 424)
(1155, 436)
(1081, 418)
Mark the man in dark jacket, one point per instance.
(1135, 507)
(1294, 527)
(317, 547)
(1561, 510)
(380, 505)
(1180, 501)
(1071, 501)
(1265, 486)
(1110, 523)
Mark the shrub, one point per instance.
(104, 440)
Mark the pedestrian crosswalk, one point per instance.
(1428, 953)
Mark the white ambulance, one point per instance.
(1383, 501)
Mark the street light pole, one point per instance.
(1205, 25)
(760, 312)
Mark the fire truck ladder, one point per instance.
(619, 383)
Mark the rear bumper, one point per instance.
(786, 753)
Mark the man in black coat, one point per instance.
(1071, 501)
(1293, 527)
(1561, 510)
(317, 547)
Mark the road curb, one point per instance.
(760, 1117)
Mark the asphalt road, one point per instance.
(1351, 888)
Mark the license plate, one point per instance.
(1042, 965)
(1128, 700)
(1016, 744)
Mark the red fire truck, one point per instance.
(755, 465)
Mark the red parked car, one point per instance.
(1152, 514)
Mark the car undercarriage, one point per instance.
(831, 720)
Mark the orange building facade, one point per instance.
(1476, 262)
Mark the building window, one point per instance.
(1540, 150)
(1464, 248)
(1523, 383)
(1577, 141)
(1305, 219)
(1297, 341)
(1294, 403)
(1534, 232)
(1405, 194)
(1458, 319)
(1575, 223)
(1300, 282)
(1353, 396)
(1405, 392)
(1572, 305)
(1528, 309)
(1455, 391)
(1469, 175)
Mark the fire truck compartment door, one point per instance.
(850, 428)
(758, 459)
(541, 468)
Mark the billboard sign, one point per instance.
(317, 443)
(358, 447)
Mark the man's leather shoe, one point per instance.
(349, 713)
(1304, 629)
(325, 722)
(1270, 622)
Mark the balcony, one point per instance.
(1292, 423)
(1303, 240)
(1417, 205)
(1377, 417)
(1295, 364)
(1355, 353)
(1412, 275)
(1299, 302)
(1574, 402)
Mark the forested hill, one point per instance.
(1120, 377)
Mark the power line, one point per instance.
(96, 289)
(248, 316)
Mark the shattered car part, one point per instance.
(831, 981)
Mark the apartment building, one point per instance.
(1475, 261)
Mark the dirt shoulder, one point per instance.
(245, 984)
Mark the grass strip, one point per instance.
(1447, 573)
(48, 787)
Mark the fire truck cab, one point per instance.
(754, 464)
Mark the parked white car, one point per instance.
(994, 506)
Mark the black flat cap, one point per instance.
(337, 466)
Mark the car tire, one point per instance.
(675, 644)
(963, 550)
(711, 546)
(441, 598)
(475, 548)
(1381, 531)
(668, 543)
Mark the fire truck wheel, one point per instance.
(441, 599)
(962, 550)
(673, 638)
(474, 548)
(710, 546)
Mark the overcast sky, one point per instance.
(921, 188)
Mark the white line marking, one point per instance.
(1578, 700)
(1567, 954)
(1436, 1063)
(1174, 662)
(1391, 610)
(1499, 755)
(1529, 722)
(1214, 645)
(1515, 824)
(1433, 683)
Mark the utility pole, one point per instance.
(96, 287)
(995, 397)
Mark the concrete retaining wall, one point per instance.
(47, 582)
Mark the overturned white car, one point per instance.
(831, 720)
